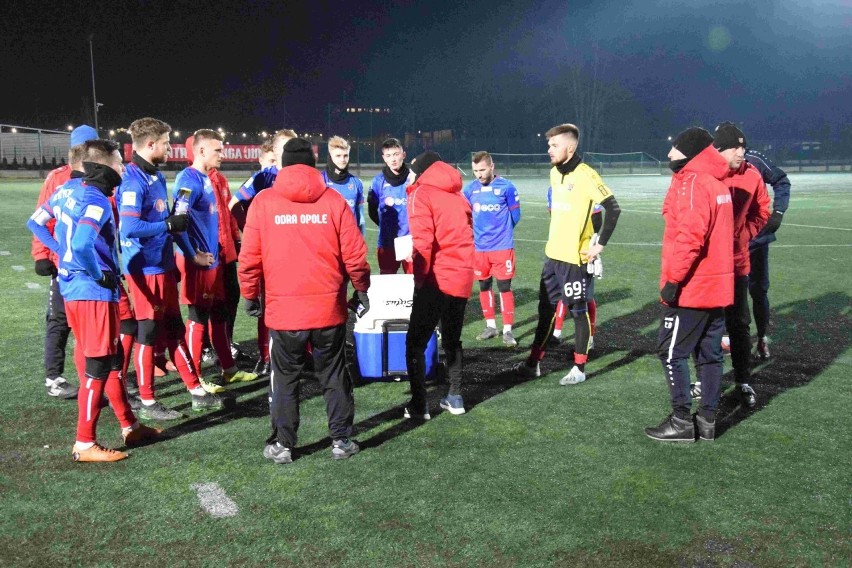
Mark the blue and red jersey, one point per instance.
(259, 181)
(352, 190)
(392, 203)
(85, 235)
(496, 210)
(194, 193)
(143, 206)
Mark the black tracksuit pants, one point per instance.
(287, 356)
(685, 332)
(56, 332)
(738, 324)
(431, 306)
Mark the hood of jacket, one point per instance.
(708, 161)
(299, 183)
(439, 175)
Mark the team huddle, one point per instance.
(124, 254)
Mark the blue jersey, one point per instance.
(352, 191)
(776, 178)
(259, 181)
(496, 210)
(194, 193)
(143, 206)
(392, 203)
(85, 236)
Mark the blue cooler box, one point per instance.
(381, 352)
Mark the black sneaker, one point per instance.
(237, 353)
(744, 394)
(60, 388)
(672, 429)
(420, 411)
(261, 368)
(278, 453)
(706, 428)
(206, 401)
(158, 412)
(344, 448)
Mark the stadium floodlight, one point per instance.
(14, 130)
(244, 134)
(177, 133)
(112, 132)
(264, 134)
(670, 138)
(70, 127)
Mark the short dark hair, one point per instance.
(391, 143)
(563, 129)
(482, 155)
(99, 151)
(206, 134)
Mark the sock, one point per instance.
(127, 342)
(507, 327)
(486, 300)
(149, 402)
(81, 446)
(180, 357)
(131, 428)
(198, 391)
(580, 361)
(145, 371)
(560, 319)
(194, 342)
(117, 395)
(221, 343)
(491, 323)
(88, 408)
(507, 307)
(593, 316)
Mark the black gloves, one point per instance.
(359, 303)
(108, 280)
(176, 223)
(44, 267)
(773, 223)
(254, 308)
(239, 246)
(669, 293)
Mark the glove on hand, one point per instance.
(44, 267)
(669, 293)
(773, 223)
(254, 308)
(108, 280)
(359, 303)
(176, 223)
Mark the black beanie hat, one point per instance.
(728, 136)
(422, 162)
(298, 151)
(692, 141)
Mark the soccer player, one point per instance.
(305, 293)
(338, 178)
(496, 211)
(569, 250)
(758, 278)
(442, 259)
(751, 211)
(88, 278)
(696, 283)
(386, 202)
(56, 328)
(203, 285)
(267, 156)
(148, 263)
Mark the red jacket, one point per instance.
(301, 242)
(751, 211)
(441, 226)
(53, 180)
(229, 233)
(698, 241)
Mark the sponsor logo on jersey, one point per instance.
(395, 202)
(487, 207)
(722, 199)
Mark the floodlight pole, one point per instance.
(94, 96)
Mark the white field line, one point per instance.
(32, 285)
(17, 268)
(773, 245)
(5, 253)
(815, 227)
(213, 500)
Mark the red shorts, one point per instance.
(497, 263)
(125, 309)
(203, 288)
(154, 296)
(388, 264)
(95, 325)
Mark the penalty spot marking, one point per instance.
(214, 501)
(17, 268)
(32, 285)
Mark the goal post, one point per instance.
(625, 163)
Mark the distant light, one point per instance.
(220, 130)
(70, 127)
(539, 134)
(264, 134)
(14, 131)
(670, 138)
(177, 133)
(112, 132)
(418, 132)
(244, 134)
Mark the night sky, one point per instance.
(779, 67)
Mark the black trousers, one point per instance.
(232, 296)
(56, 332)
(758, 287)
(431, 306)
(287, 355)
(738, 323)
(685, 332)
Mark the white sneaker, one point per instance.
(573, 377)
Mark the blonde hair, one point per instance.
(338, 142)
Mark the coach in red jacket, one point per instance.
(440, 222)
(751, 212)
(301, 241)
(697, 282)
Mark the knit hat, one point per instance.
(422, 162)
(692, 141)
(83, 134)
(298, 151)
(728, 136)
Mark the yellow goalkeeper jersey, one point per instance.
(573, 198)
